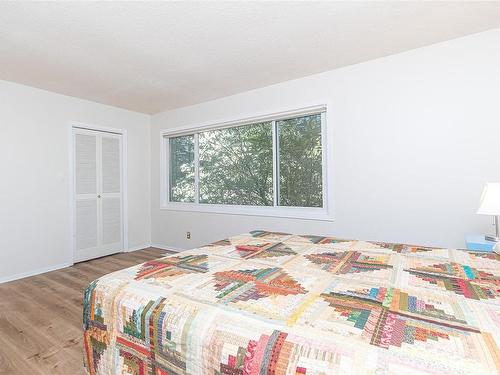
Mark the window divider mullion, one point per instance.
(275, 165)
(196, 169)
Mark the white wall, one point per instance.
(415, 136)
(34, 186)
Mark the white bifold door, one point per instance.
(98, 206)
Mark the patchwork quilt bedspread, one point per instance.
(276, 303)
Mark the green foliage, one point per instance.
(300, 162)
(236, 165)
(182, 169)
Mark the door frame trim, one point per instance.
(72, 125)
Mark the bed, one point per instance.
(277, 303)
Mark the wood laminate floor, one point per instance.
(41, 316)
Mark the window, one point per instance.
(273, 166)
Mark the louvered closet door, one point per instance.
(98, 194)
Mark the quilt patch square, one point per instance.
(346, 263)
(451, 277)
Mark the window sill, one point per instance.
(318, 214)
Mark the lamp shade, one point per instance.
(490, 200)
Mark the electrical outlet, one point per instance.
(188, 235)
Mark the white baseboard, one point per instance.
(38, 271)
(135, 248)
(167, 247)
(145, 246)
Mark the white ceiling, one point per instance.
(154, 56)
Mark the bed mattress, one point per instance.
(277, 303)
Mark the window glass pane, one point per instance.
(236, 165)
(300, 182)
(182, 169)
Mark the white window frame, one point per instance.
(324, 213)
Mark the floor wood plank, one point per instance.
(41, 316)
